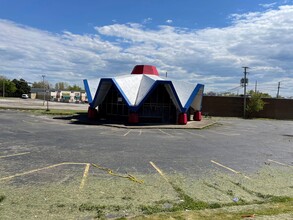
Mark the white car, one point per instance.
(24, 96)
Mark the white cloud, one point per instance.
(213, 56)
(147, 20)
(29, 53)
(268, 5)
(169, 21)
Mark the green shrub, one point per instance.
(255, 104)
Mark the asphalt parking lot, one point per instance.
(36, 148)
(19, 103)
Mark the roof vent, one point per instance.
(145, 69)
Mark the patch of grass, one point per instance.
(271, 210)
(258, 194)
(150, 209)
(61, 112)
(99, 210)
(53, 112)
(215, 205)
(279, 199)
(105, 196)
(228, 192)
(90, 207)
(188, 203)
(2, 197)
(126, 198)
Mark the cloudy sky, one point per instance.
(203, 41)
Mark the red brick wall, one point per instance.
(233, 107)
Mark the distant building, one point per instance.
(58, 95)
(143, 96)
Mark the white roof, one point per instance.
(135, 87)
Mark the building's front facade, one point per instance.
(143, 96)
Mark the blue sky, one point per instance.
(205, 41)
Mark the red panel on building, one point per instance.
(133, 118)
(145, 69)
(182, 119)
(197, 116)
(92, 113)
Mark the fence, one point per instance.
(233, 107)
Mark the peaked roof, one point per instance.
(135, 89)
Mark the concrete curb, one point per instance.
(190, 125)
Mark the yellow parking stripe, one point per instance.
(85, 174)
(40, 169)
(159, 171)
(14, 155)
(228, 168)
(283, 164)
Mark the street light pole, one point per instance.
(48, 95)
(44, 89)
(245, 80)
(3, 88)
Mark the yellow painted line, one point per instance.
(283, 164)
(164, 132)
(85, 174)
(127, 133)
(228, 168)
(159, 171)
(40, 169)
(14, 155)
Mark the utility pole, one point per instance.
(48, 95)
(279, 86)
(44, 89)
(245, 83)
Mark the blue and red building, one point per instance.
(144, 97)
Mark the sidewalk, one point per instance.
(205, 122)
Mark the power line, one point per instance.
(237, 87)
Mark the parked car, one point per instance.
(24, 96)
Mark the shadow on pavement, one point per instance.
(82, 119)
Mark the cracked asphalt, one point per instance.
(29, 142)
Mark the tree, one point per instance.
(62, 86)
(74, 88)
(40, 84)
(265, 95)
(262, 95)
(22, 87)
(7, 87)
(255, 104)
